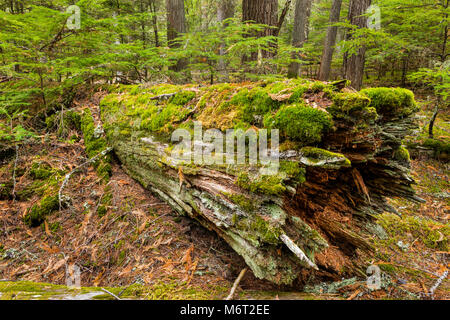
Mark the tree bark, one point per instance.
(153, 10)
(261, 12)
(300, 32)
(225, 10)
(176, 25)
(330, 41)
(354, 64)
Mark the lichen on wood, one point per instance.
(341, 156)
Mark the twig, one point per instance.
(110, 293)
(14, 174)
(67, 177)
(236, 283)
(438, 283)
(297, 251)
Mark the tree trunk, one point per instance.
(261, 12)
(444, 4)
(176, 24)
(300, 32)
(315, 214)
(153, 10)
(354, 64)
(330, 41)
(225, 10)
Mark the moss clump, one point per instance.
(300, 123)
(266, 184)
(36, 215)
(441, 148)
(37, 187)
(41, 170)
(6, 189)
(293, 171)
(351, 104)
(160, 119)
(105, 202)
(392, 101)
(95, 144)
(242, 201)
(259, 229)
(182, 97)
(317, 154)
(402, 154)
(254, 104)
(431, 233)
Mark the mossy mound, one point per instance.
(324, 158)
(224, 106)
(41, 170)
(402, 155)
(441, 148)
(37, 213)
(392, 102)
(300, 123)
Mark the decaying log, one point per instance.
(341, 156)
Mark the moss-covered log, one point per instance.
(341, 155)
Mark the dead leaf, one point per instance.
(47, 229)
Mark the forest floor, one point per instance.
(137, 247)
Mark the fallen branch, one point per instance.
(67, 177)
(236, 283)
(110, 293)
(14, 173)
(438, 283)
(297, 251)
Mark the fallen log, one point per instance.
(340, 156)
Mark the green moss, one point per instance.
(441, 148)
(41, 170)
(156, 121)
(350, 102)
(253, 103)
(182, 98)
(317, 154)
(431, 233)
(388, 268)
(265, 184)
(293, 171)
(105, 202)
(94, 145)
(260, 230)
(6, 189)
(34, 188)
(392, 101)
(36, 215)
(242, 201)
(402, 154)
(300, 123)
